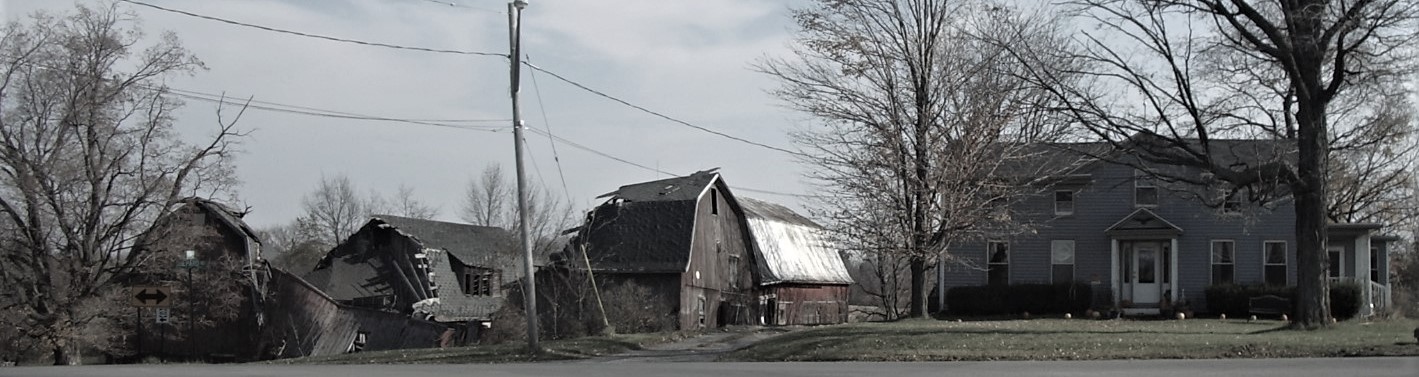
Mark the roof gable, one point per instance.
(1142, 223)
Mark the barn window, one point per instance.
(734, 271)
(479, 282)
(714, 202)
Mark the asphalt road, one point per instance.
(1376, 367)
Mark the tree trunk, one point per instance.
(918, 301)
(1312, 287)
(66, 353)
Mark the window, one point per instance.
(998, 267)
(714, 202)
(734, 271)
(479, 282)
(1274, 263)
(1061, 261)
(1231, 201)
(1064, 203)
(1145, 194)
(1375, 264)
(1223, 261)
(1337, 263)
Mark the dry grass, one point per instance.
(1060, 339)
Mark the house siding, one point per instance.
(1102, 201)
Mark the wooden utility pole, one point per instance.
(529, 286)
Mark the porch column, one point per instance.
(1362, 273)
(1113, 270)
(1174, 284)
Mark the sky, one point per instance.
(692, 61)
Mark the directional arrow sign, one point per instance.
(149, 296)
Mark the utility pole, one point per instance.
(529, 286)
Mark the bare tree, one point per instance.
(290, 248)
(404, 204)
(925, 130)
(333, 211)
(491, 201)
(1170, 78)
(89, 158)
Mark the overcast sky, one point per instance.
(690, 60)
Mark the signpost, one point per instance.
(150, 296)
(163, 314)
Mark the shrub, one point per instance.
(1344, 300)
(1014, 299)
(1233, 300)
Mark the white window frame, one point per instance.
(1266, 261)
(1072, 203)
(990, 249)
(1054, 246)
(1142, 180)
(1212, 260)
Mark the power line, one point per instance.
(301, 110)
(596, 152)
(557, 159)
(652, 112)
(317, 36)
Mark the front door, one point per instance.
(1146, 268)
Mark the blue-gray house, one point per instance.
(1140, 242)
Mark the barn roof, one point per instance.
(646, 227)
(790, 248)
(471, 244)
(344, 275)
(232, 219)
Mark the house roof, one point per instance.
(646, 227)
(790, 248)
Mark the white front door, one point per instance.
(1146, 269)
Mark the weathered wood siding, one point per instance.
(302, 321)
(718, 237)
(805, 304)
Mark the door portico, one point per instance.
(1144, 260)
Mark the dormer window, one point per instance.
(1145, 193)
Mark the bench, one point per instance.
(1269, 304)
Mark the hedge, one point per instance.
(1232, 300)
(1016, 299)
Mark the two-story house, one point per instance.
(1139, 241)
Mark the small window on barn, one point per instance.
(1063, 203)
(998, 266)
(734, 271)
(714, 202)
(1223, 261)
(1275, 263)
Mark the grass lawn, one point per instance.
(1061, 339)
(566, 349)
